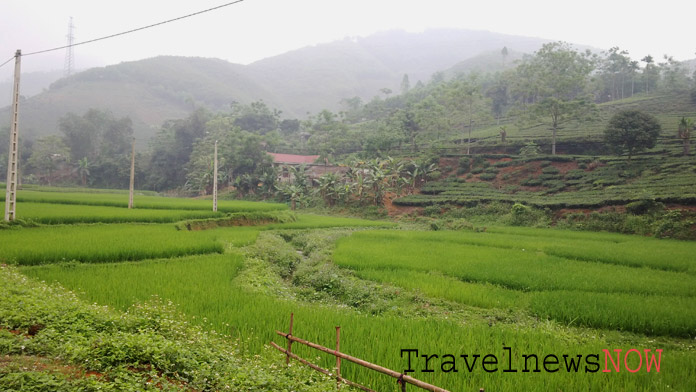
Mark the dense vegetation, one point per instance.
(464, 160)
(535, 290)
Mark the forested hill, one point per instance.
(305, 80)
(319, 77)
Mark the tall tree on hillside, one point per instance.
(686, 125)
(171, 150)
(103, 140)
(404, 122)
(632, 131)
(499, 94)
(615, 67)
(405, 84)
(650, 73)
(256, 117)
(467, 105)
(674, 75)
(558, 76)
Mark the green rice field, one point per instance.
(506, 292)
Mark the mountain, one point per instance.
(318, 77)
(32, 83)
(302, 81)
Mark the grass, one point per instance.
(101, 243)
(141, 201)
(615, 283)
(311, 221)
(507, 271)
(52, 341)
(50, 213)
(208, 288)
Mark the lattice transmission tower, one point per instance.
(69, 55)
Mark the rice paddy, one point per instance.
(521, 291)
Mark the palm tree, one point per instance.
(82, 170)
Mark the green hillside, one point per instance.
(303, 81)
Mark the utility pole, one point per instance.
(12, 159)
(215, 176)
(132, 176)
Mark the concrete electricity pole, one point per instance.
(132, 176)
(215, 176)
(13, 157)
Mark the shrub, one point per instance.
(550, 170)
(642, 207)
(488, 176)
(433, 210)
(531, 182)
(574, 174)
(434, 175)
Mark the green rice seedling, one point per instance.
(53, 214)
(311, 221)
(101, 243)
(59, 189)
(649, 314)
(143, 201)
(205, 288)
(519, 269)
(436, 285)
(623, 249)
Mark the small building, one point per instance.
(283, 162)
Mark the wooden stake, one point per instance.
(319, 369)
(366, 364)
(287, 358)
(338, 359)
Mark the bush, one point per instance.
(642, 207)
(531, 182)
(574, 174)
(488, 176)
(433, 210)
(434, 175)
(550, 170)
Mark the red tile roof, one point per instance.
(293, 159)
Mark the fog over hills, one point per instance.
(298, 82)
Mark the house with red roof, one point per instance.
(315, 168)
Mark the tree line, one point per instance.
(553, 86)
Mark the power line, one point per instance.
(131, 31)
(10, 59)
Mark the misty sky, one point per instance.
(255, 29)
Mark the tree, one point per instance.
(651, 73)
(632, 131)
(48, 154)
(467, 105)
(686, 125)
(256, 117)
(82, 170)
(405, 84)
(556, 80)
